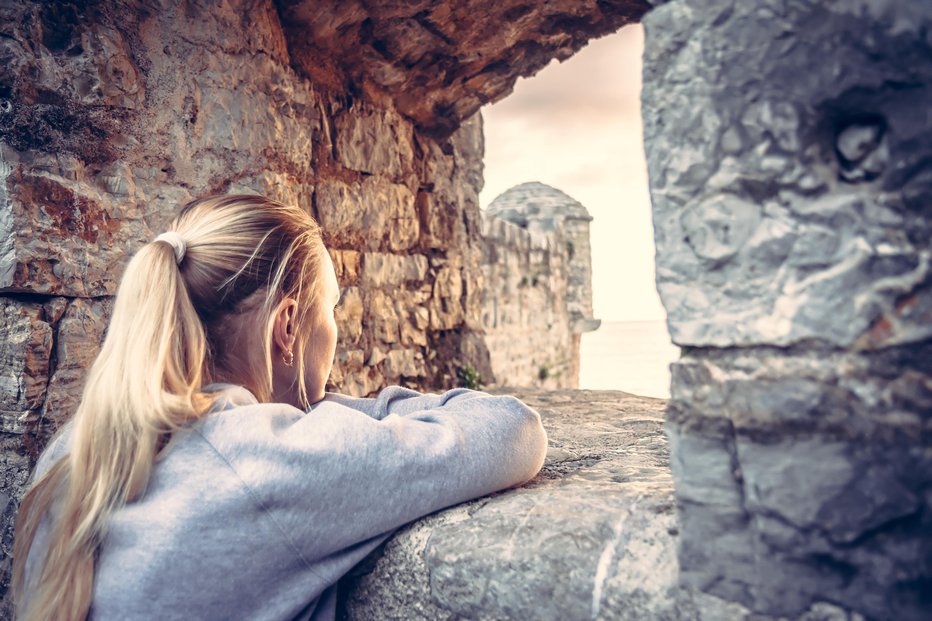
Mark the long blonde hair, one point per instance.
(167, 337)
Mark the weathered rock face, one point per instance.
(438, 62)
(537, 289)
(112, 115)
(788, 148)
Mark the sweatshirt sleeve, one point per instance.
(399, 400)
(339, 475)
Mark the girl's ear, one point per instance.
(284, 330)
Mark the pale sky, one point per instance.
(576, 126)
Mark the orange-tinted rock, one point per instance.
(438, 63)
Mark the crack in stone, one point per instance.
(608, 553)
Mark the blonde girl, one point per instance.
(206, 474)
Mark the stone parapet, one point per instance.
(593, 536)
(593, 529)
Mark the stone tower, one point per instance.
(537, 206)
(538, 272)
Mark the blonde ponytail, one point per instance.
(145, 383)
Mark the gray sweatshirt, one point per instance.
(258, 509)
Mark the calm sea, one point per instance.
(633, 356)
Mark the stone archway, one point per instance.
(790, 180)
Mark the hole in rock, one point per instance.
(572, 134)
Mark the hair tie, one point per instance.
(176, 242)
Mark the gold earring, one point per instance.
(288, 358)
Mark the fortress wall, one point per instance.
(579, 251)
(537, 290)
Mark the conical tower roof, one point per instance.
(536, 201)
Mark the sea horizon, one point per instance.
(631, 356)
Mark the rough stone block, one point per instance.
(346, 266)
(64, 237)
(403, 363)
(392, 270)
(777, 198)
(446, 309)
(448, 201)
(114, 120)
(468, 144)
(360, 380)
(374, 142)
(25, 354)
(347, 364)
(349, 315)
(280, 186)
(412, 327)
(441, 220)
(806, 476)
(387, 209)
(382, 317)
(229, 107)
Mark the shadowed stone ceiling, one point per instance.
(440, 62)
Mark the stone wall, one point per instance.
(789, 149)
(527, 326)
(579, 287)
(789, 168)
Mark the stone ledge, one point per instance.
(593, 536)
